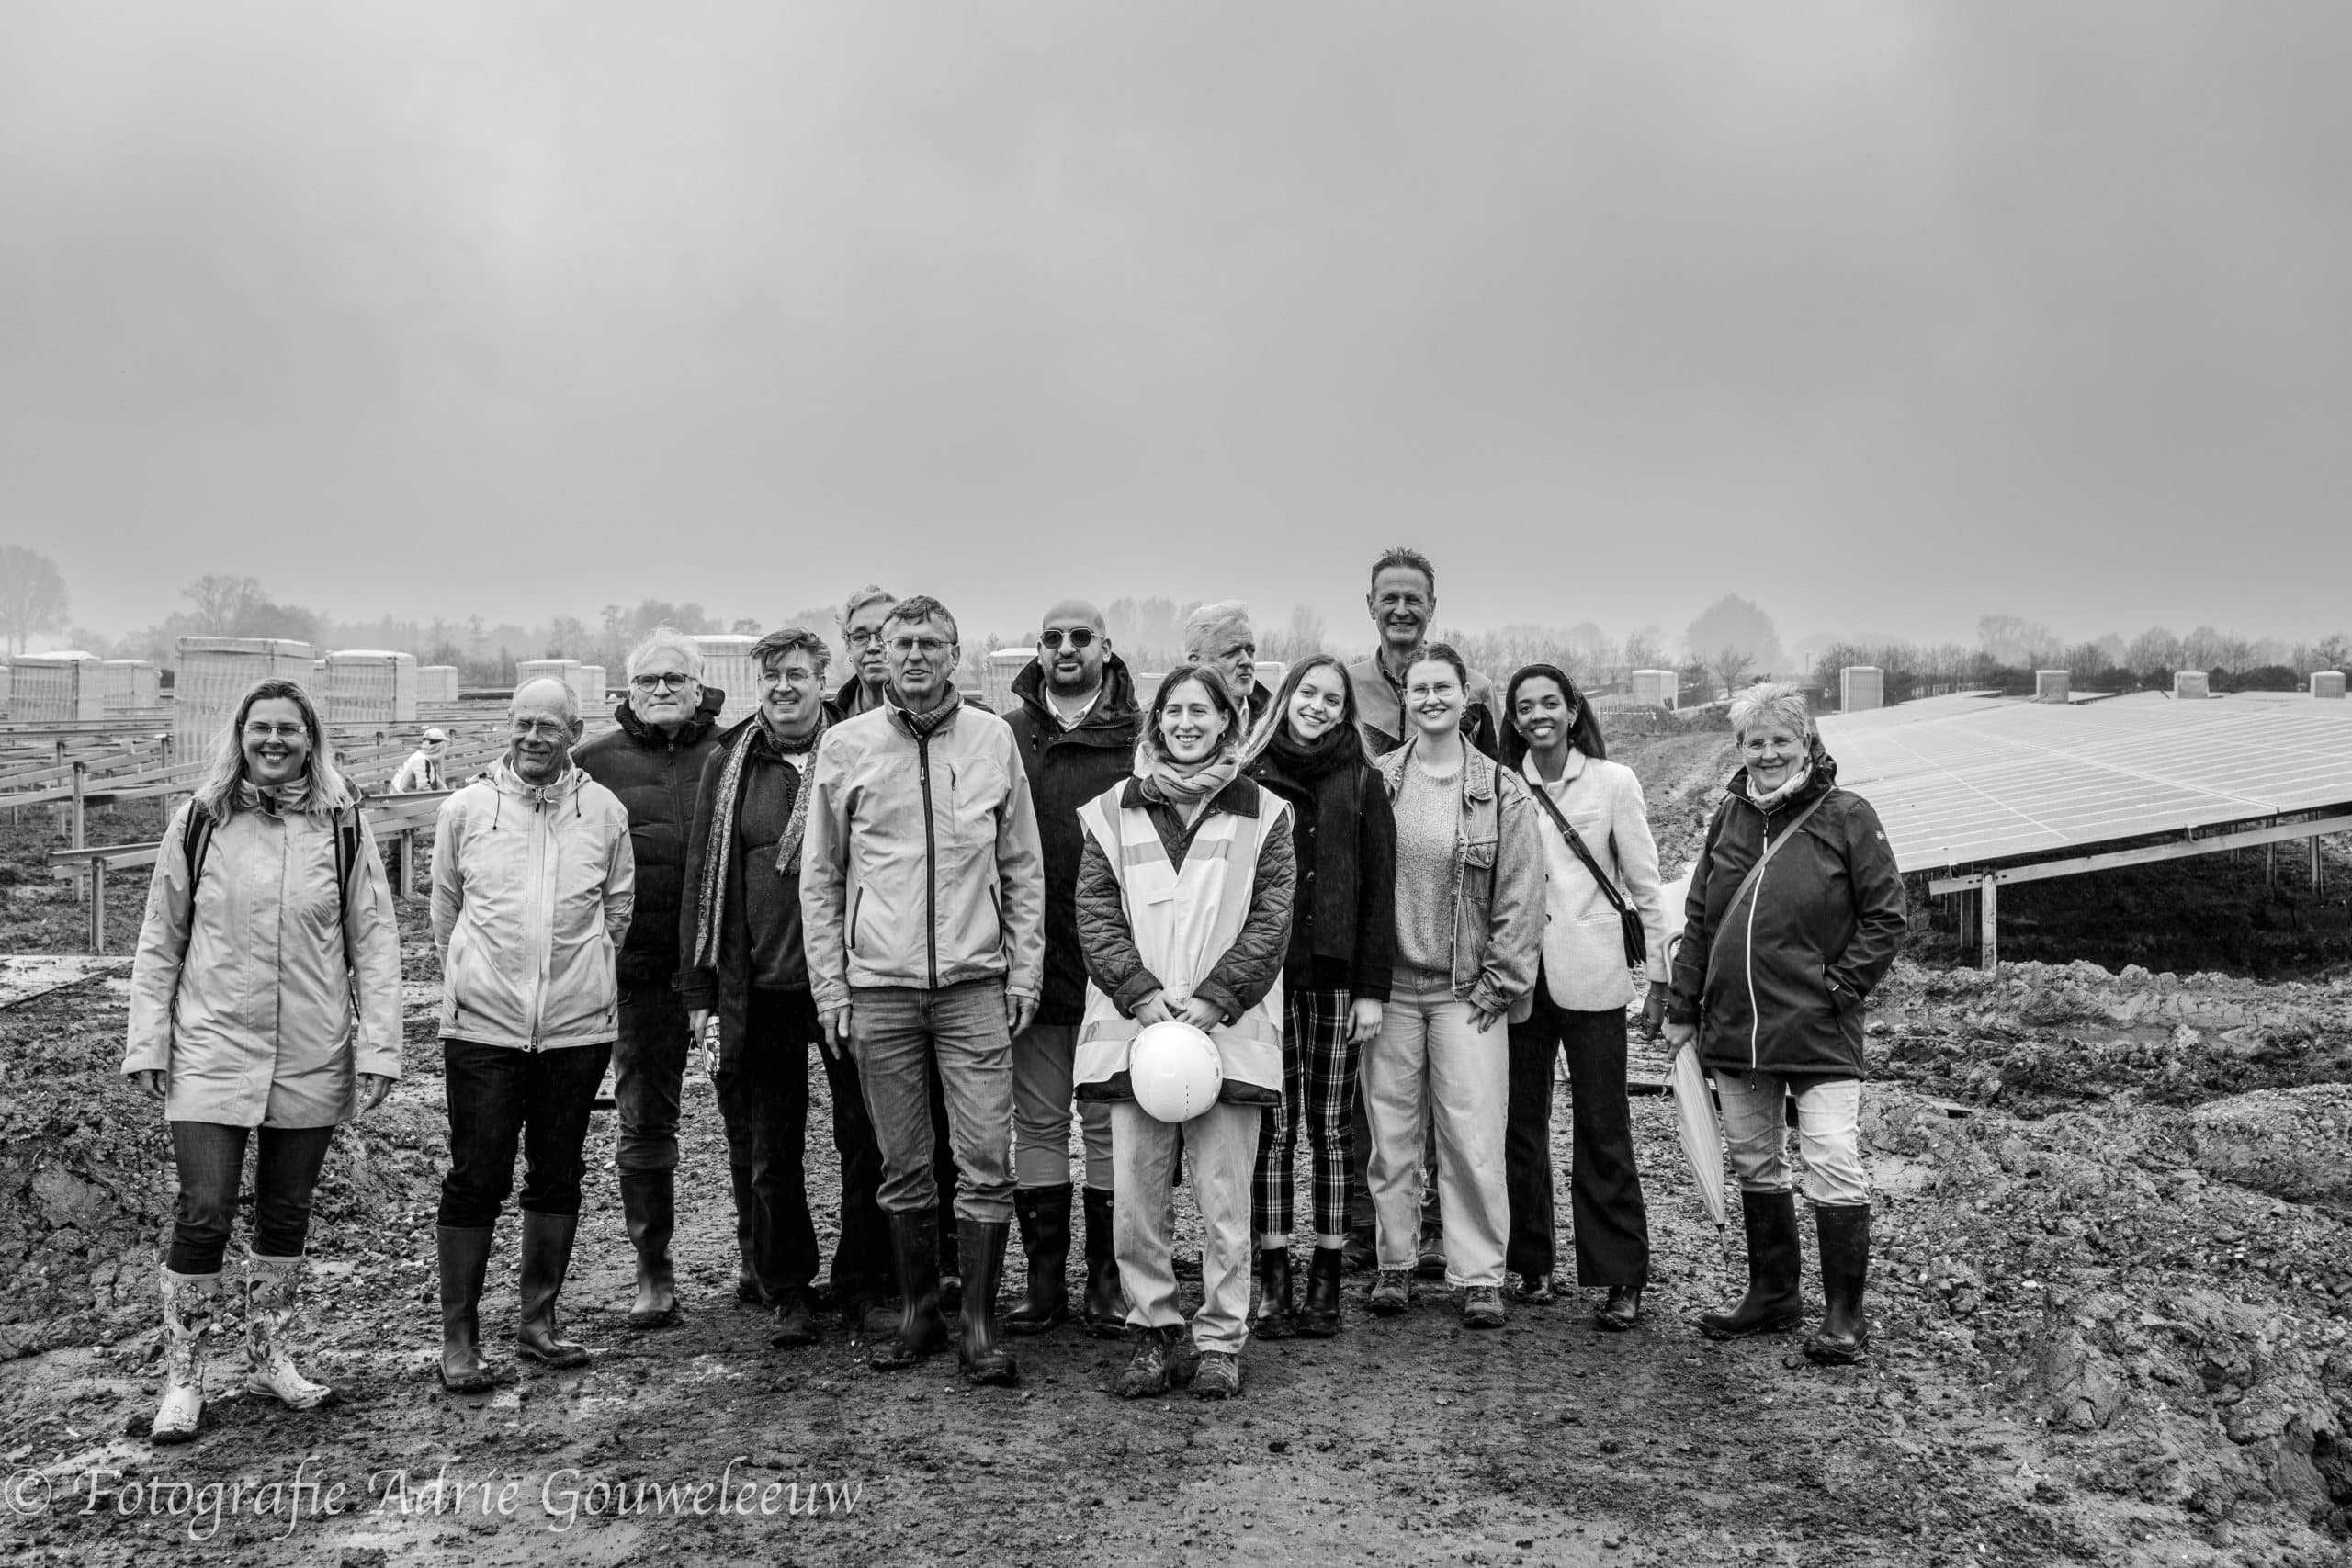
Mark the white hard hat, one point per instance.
(1175, 1071)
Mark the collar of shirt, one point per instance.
(1072, 718)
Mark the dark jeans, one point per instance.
(762, 1086)
(499, 1098)
(210, 1157)
(1612, 1228)
(649, 1073)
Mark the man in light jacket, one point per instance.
(533, 882)
(923, 899)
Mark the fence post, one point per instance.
(98, 906)
(1988, 892)
(81, 772)
(408, 864)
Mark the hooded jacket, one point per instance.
(1380, 709)
(532, 890)
(920, 865)
(1498, 891)
(656, 777)
(1778, 984)
(243, 996)
(1068, 768)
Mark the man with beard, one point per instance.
(1220, 636)
(747, 967)
(654, 762)
(1075, 725)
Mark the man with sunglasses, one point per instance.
(1075, 725)
(922, 896)
(654, 762)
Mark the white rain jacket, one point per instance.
(245, 995)
(532, 889)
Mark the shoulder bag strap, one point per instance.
(1576, 841)
(1756, 872)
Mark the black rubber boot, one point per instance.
(546, 1257)
(923, 1330)
(1844, 1233)
(981, 1246)
(1319, 1318)
(1772, 1301)
(649, 1213)
(1106, 1301)
(1043, 1213)
(465, 1259)
(1274, 1319)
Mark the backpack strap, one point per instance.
(196, 841)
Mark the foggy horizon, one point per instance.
(1883, 316)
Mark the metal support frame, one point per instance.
(2314, 829)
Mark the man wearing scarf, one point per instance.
(922, 892)
(746, 967)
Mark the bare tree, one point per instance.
(219, 604)
(32, 596)
(1733, 621)
(1729, 667)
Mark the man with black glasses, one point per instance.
(653, 763)
(1075, 723)
(861, 619)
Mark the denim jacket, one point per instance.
(1498, 910)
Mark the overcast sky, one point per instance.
(1886, 315)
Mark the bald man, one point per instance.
(533, 884)
(1076, 723)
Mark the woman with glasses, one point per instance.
(268, 915)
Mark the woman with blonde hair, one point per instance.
(267, 918)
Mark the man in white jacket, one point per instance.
(533, 882)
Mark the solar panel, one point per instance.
(1971, 780)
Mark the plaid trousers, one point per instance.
(1320, 1086)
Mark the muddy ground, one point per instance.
(2113, 1308)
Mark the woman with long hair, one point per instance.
(1599, 863)
(1309, 750)
(1469, 926)
(1184, 888)
(268, 915)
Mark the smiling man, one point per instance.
(1403, 604)
(923, 891)
(654, 762)
(533, 887)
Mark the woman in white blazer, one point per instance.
(1581, 995)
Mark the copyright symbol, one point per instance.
(25, 1493)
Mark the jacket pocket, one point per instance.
(856, 908)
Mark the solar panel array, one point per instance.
(1972, 780)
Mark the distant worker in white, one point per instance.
(533, 883)
(1796, 912)
(269, 914)
(1184, 889)
(423, 772)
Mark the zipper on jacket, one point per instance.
(1755, 896)
(930, 863)
(541, 935)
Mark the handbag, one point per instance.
(1637, 947)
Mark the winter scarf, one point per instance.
(1185, 790)
(710, 898)
(1770, 802)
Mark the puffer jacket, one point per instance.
(1779, 986)
(1498, 891)
(1066, 768)
(532, 890)
(656, 777)
(245, 997)
(920, 865)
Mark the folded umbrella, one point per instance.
(1702, 1134)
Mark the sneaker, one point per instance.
(1391, 1293)
(1537, 1290)
(1482, 1307)
(1218, 1377)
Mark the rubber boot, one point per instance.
(188, 1301)
(1843, 1231)
(650, 1212)
(982, 1244)
(546, 1257)
(1106, 1300)
(273, 1289)
(1044, 1213)
(465, 1259)
(1772, 1301)
(1274, 1318)
(914, 1250)
(1319, 1318)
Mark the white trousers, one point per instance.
(1429, 1063)
(1221, 1146)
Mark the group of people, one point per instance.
(1390, 896)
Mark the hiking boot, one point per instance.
(1536, 1290)
(1620, 1311)
(1146, 1375)
(1319, 1317)
(1274, 1319)
(796, 1319)
(1772, 1301)
(1391, 1293)
(1482, 1307)
(1219, 1376)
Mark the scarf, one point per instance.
(1331, 751)
(1185, 790)
(1325, 785)
(1773, 801)
(726, 813)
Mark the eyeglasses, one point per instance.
(861, 635)
(660, 683)
(1079, 636)
(929, 647)
(257, 730)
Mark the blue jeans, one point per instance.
(210, 1157)
(904, 1035)
(501, 1098)
(649, 1076)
